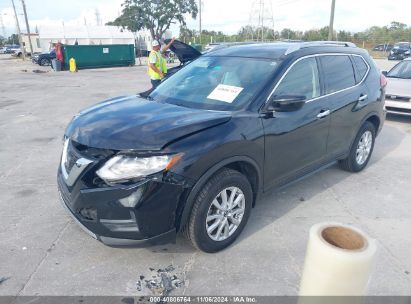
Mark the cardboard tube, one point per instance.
(338, 261)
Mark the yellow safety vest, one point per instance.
(161, 64)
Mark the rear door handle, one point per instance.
(363, 97)
(323, 113)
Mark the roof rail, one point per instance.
(303, 45)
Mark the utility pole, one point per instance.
(27, 26)
(330, 29)
(23, 51)
(200, 4)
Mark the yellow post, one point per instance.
(72, 65)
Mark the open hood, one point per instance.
(184, 52)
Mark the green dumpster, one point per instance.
(99, 56)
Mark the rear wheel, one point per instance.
(44, 62)
(361, 149)
(220, 212)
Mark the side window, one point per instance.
(338, 72)
(362, 67)
(301, 79)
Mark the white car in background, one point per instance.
(398, 90)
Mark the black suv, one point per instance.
(194, 155)
(400, 51)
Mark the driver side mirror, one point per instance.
(385, 73)
(285, 103)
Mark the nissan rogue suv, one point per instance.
(195, 154)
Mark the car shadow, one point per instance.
(276, 203)
(398, 117)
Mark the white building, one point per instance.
(84, 35)
(143, 39)
(35, 42)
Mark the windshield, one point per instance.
(401, 70)
(216, 83)
(402, 46)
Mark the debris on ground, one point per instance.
(161, 282)
(24, 71)
(3, 279)
(40, 71)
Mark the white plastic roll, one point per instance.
(338, 262)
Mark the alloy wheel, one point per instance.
(225, 213)
(364, 148)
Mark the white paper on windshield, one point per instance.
(225, 93)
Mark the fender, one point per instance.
(366, 117)
(206, 176)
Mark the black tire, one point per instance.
(350, 163)
(44, 62)
(195, 229)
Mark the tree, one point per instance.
(154, 15)
(288, 34)
(13, 39)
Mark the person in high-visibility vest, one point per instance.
(157, 64)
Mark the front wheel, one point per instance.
(220, 212)
(361, 149)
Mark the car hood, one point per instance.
(133, 123)
(184, 52)
(398, 87)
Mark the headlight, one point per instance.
(407, 52)
(122, 167)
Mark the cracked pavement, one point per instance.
(43, 252)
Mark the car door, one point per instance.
(295, 141)
(345, 95)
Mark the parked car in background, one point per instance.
(44, 59)
(11, 48)
(398, 92)
(232, 124)
(2, 49)
(17, 52)
(383, 47)
(400, 51)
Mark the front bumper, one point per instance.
(99, 211)
(398, 106)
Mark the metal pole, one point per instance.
(23, 51)
(27, 26)
(200, 17)
(330, 29)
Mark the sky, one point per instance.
(220, 15)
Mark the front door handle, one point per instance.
(363, 97)
(323, 113)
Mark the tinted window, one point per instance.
(338, 72)
(403, 46)
(362, 67)
(302, 79)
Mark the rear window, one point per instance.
(338, 72)
(362, 68)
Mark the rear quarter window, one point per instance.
(362, 68)
(338, 72)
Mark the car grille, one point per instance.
(72, 157)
